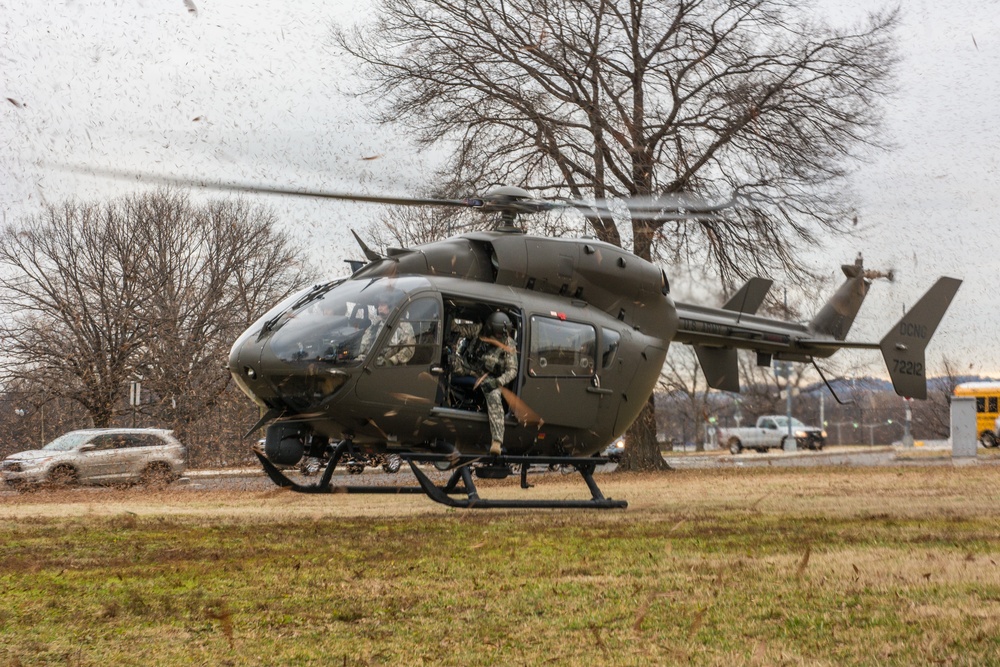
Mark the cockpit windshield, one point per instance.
(340, 326)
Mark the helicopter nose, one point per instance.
(245, 367)
(293, 386)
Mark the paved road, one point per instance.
(934, 454)
(253, 479)
(831, 456)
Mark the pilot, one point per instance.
(491, 357)
(401, 345)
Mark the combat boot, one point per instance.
(495, 448)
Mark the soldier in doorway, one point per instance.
(491, 358)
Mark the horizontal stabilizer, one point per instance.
(720, 366)
(903, 347)
(750, 297)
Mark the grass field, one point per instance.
(888, 566)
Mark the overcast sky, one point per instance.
(251, 91)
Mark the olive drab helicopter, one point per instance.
(591, 324)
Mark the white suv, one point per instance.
(100, 456)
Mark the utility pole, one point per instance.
(783, 369)
(822, 405)
(907, 436)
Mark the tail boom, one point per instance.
(716, 333)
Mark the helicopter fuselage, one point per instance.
(591, 326)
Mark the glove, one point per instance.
(489, 384)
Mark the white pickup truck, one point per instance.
(770, 433)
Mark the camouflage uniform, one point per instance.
(488, 359)
(401, 346)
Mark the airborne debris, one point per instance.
(803, 563)
(699, 620)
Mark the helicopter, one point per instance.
(591, 324)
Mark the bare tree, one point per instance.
(746, 101)
(71, 289)
(932, 418)
(212, 270)
(30, 417)
(148, 286)
(683, 380)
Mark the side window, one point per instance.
(110, 441)
(143, 440)
(992, 404)
(559, 348)
(769, 424)
(414, 340)
(105, 442)
(980, 404)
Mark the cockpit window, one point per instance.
(341, 325)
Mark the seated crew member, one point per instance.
(491, 358)
(402, 344)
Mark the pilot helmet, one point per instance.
(498, 323)
(390, 297)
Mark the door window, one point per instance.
(414, 339)
(610, 341)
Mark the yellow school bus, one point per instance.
(987, 395)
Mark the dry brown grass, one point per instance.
(756, 566)
(834, 492)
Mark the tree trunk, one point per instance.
(642, 450)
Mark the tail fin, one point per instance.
(903, 347)
(837, 315)
(749, 297)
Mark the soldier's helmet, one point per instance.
(389, 297)
(498, 324)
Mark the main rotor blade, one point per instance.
(656, 208)
(661, 208)
(254, 188)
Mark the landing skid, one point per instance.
(461, 481)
